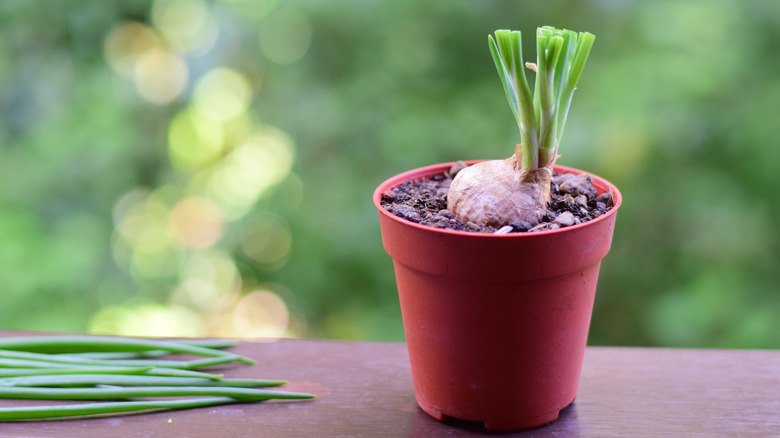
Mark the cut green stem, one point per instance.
(151, 391)
(119, 355)
(549, 45)
(80, 410)
(205, 343)
(507, 51)
(68, 359)
(219, 344)
(132, 380)
(110, 368)
(78, 344)
(22, 372)
(561, 56)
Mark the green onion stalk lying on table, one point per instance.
(100, 368)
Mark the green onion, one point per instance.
(117, 393)
(25, 363)
(117, 355)
(96, 369)
(560, 59)
(111, 368)
(132, 380)
(517, 190)
(206, 343)
(20, 372)
(67, 344)
(210, 343)
(176, 372)
(66, 359)
(79, 410)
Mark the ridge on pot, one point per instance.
(496, 325)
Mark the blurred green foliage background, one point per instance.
(181, 167)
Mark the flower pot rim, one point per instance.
(437, 168)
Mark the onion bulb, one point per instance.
(496, 193)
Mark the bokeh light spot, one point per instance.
(142, 220)
(142, 243)
(285, 36)
(144, 318)
(206, 277)
(222, 94)
(261, 162)
(194, 141)
(260, 314)
(160, 76)
(187, 25)
(126, 43)
(195, 224)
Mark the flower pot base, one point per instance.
(495, 424)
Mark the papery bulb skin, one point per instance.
(497, 193)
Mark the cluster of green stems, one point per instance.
(561, 56)
(102, 368)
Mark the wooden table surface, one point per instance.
(365, 390)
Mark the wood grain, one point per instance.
(365, 390)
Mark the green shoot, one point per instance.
(561, 56)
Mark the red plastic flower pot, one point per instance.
(496, 325)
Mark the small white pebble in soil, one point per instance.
(565, 219)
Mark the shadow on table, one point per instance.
(424, 426)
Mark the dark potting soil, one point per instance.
(424, 201)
